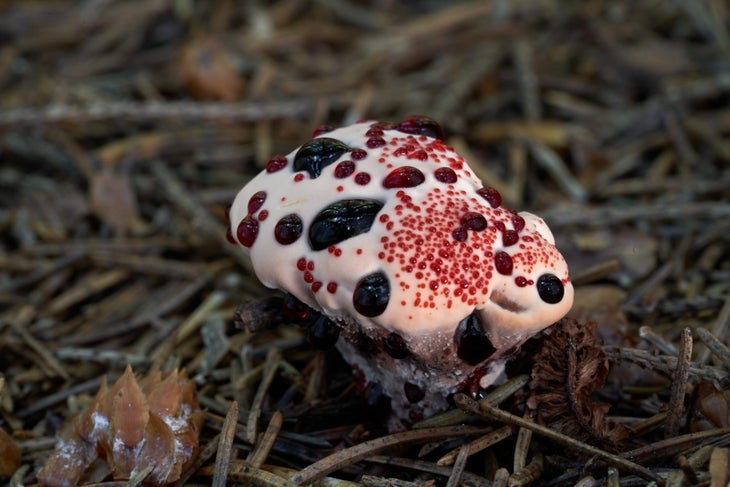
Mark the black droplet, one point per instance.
(421, 125)
(550, 288)
(372, 294)
(342, 220)
(288, 229)
(323, 333)
(413, 392)
(396, 346)
(298, 312)
(317, 154)
(472, 344)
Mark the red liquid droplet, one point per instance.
(460, 234)
(518, 222)
(374, 132)
(420, 125)
(520, 281)
(344, 169)
(277, 163)
(375, 142)
(288, 229)
(510, 237)
(503, 263)
(383, 125)
(322, 129)
(446, 175)
(256, 201)
(404, 177)
(358, 154)
(362, 178)
(247, 231)
(491, 195)
(474, 221)
(421, 155)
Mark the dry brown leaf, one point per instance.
(9, 455)
(207, 71)
(711, 408)
(121, 427)
(113, 200)
(128, 410)
(568, 368)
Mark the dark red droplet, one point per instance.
(518, 222)
(474, 221)
(413, 392)
(344, 169)
(503, 262)
(520, 281)
(358, 154)
(322, 129)
(256, 201)
(263, 215)
(247, 231)
(491, 195)
(374, 132)
(362, 178)
(375, 142)
(276, 163)
(331, 287)
(510, 237)
(302, 263)
(445, 175)
(460, 234)
(288, 229)
(500, 226)
(403, 177)
(383, 125)
(316, 286)
(420, 125)
(421, 155)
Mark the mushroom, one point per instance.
(405, 260)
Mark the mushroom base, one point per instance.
(420, 384)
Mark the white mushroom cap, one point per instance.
(435, 280)
(386, 230)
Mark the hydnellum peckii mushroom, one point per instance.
(393, 250)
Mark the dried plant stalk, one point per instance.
(567, 370)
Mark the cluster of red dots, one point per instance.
(306, 267)
(248, 228)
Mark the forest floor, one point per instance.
(127, 128)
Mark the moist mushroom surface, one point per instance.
(412, 266)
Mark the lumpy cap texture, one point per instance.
(418, 244)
